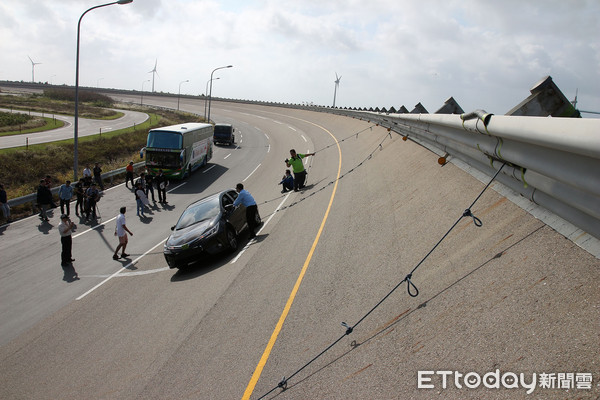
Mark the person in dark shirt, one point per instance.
(4, 204)
(44, 199)
(98, 176)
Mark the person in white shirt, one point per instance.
(121, 231)
(65, 228)
(87, 175)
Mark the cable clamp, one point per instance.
(476, 220)
(282, 384)
(348, 328)
(410, 284)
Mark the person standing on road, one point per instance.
(150, 186)
(98, 176)
(91, 198)
(65, 228)
(79, 193)
(4, 204)
(44, 199)
(162, 182)
(129, 175)
(87, 175)
(121, 231)
(65, 193)
(298, 167)
(140, 199)
(246, 199)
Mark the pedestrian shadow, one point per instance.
(146, 219)
(126, 263)
(45, 227)
(69, 273)
(167, 207)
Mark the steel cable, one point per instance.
(349, 329)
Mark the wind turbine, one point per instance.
(574, 102)
(153, 72)
(337, 84)
(33, 64)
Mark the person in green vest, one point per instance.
(298, 167)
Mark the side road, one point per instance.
(87, 127)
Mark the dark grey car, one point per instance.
(208, 226)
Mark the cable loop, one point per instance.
(476, 220)
(408, 286)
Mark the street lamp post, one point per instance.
(142, 98)
(210, 93)
(206, 95)
(179, 93)
(76, 121)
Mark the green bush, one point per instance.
(11, 119)
(85, 96)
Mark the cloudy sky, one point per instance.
(487, 54)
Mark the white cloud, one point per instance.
(487, 54)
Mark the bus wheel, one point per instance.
(189, 171)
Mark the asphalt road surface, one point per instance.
(512, 295)
(86, 127)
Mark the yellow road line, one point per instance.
(290, 301)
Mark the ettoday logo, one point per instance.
(473, 380)
(508, 380)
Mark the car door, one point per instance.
(237, 216)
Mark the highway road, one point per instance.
(86, 127)
(512, 295)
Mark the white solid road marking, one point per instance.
(126, 274)
(252, 172)
(176, 187)
(94, 228)
(119, 271)
(260, 230)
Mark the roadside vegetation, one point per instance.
(62, 101)
(18, 124)
(22, 168)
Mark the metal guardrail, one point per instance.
(553, 162)
(32, 198)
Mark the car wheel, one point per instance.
(232, 241)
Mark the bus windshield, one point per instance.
(165, 160)
(164, 140)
